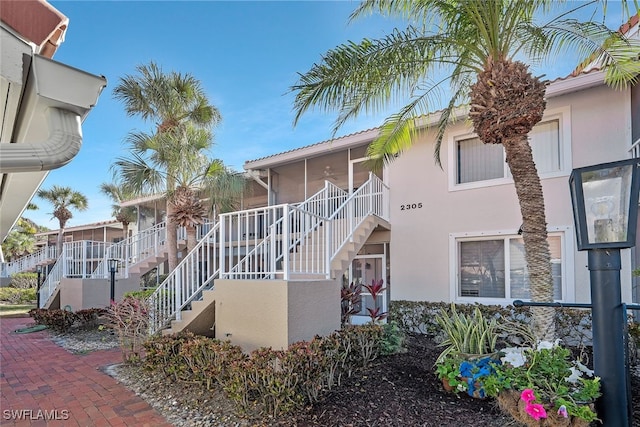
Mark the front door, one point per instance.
(364, 269)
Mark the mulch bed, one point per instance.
(397, 390)
(402, 390)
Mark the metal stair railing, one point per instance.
(51, 282)
(264, 242)
(186, 282)
(293, 224)
(235, 235)
(81, 258)
(28, 262)
(296, 245)
(370, 199)
(132, 250)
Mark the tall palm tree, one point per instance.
(194, 176)
(476, 48)
(125, 215)
(63, 199)
(170, 100)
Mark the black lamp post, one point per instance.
(39, 271)
(605, 210)
(113, 267)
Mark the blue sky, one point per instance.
(246, 54)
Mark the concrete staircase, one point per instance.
(200, 318)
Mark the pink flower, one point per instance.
(527, 395)
(536, 411)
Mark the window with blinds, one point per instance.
(496, 268)
(477, 161)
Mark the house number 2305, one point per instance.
(410, 206)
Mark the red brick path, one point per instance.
(39, 379)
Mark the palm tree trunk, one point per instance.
(60, 241)
(172, 238)
(191, 238)
(534, 232)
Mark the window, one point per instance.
(482, 164)
(496, 268)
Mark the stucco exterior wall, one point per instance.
(422, 257)
(275, 313)
(92, 293)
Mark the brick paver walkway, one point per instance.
(39, 380)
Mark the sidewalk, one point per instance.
(40, 380)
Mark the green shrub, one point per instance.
(142, 294)
(58, 320)
(17, 296)
(393, 339)
(163, 354)
(24, 280)
(361, 344)
(273, 382)
(467, 334)
(208, 360)
(573, 326)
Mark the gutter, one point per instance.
(55, 101)
(63, 144)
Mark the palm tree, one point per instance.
(475, 48)
(193, 174)
(170, 101)
(20, 241)
(125, 215)
(63, 199)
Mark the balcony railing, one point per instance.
(28, 262)
(271, 242)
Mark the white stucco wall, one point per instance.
(421, 257)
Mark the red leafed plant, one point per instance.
(375, 289)
(350, 300)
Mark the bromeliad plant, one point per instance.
(467, 335)
(469, 355)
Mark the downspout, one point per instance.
(62, 145)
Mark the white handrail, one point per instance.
(268, 243)
(81, 258)
(134, 249)
(193, 274)
(51, 282)
(29, 262)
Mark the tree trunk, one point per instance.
(191, 238)
(125, 230)
(506, 103)
(172, 238)
(534, 232)
(59, 241)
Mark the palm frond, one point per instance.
(368, 76)
(138, 177)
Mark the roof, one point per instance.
(44, 103)
(556, 87)
(112, 223)
(36, 21)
